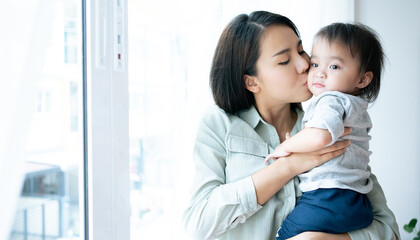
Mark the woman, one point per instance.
(258, 79)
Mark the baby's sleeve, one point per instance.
(330, 112)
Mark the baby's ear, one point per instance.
(251, 83)
(365, 80)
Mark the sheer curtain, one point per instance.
(21, 50)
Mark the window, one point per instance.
(49, 206)
(152, 128)
(158, 88)
(74, 107)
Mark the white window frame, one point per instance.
(108, 186)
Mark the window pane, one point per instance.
(49, 206)
(158, 100)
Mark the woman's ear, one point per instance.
(365, 80)
(251, 83)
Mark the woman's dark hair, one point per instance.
(236, 54)
(364, 44)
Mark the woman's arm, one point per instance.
(272, 178)
(321, 236)
(217, 206)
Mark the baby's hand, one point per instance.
(277, 153)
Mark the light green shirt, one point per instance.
(228, 150)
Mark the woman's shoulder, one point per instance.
(214, 113)
(216, 118)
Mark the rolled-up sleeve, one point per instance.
(384, 226)
(216, 206)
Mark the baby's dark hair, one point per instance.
(364, 44)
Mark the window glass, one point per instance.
(158, 88)
(49, 206)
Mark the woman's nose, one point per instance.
(303, 63)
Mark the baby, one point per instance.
(344, 77)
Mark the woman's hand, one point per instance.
(301, 162)
(320, 236)
(272, 178)
(347, 130)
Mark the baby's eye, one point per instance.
(314, 64)
(334, 67)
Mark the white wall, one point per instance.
(396, 113)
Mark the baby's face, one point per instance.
(332, 68)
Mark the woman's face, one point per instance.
(282, 68)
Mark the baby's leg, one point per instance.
(288, 229)
(328, 210)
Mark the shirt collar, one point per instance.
(251, 116)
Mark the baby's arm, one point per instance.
(308, 140)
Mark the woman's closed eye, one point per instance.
(284, 62)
